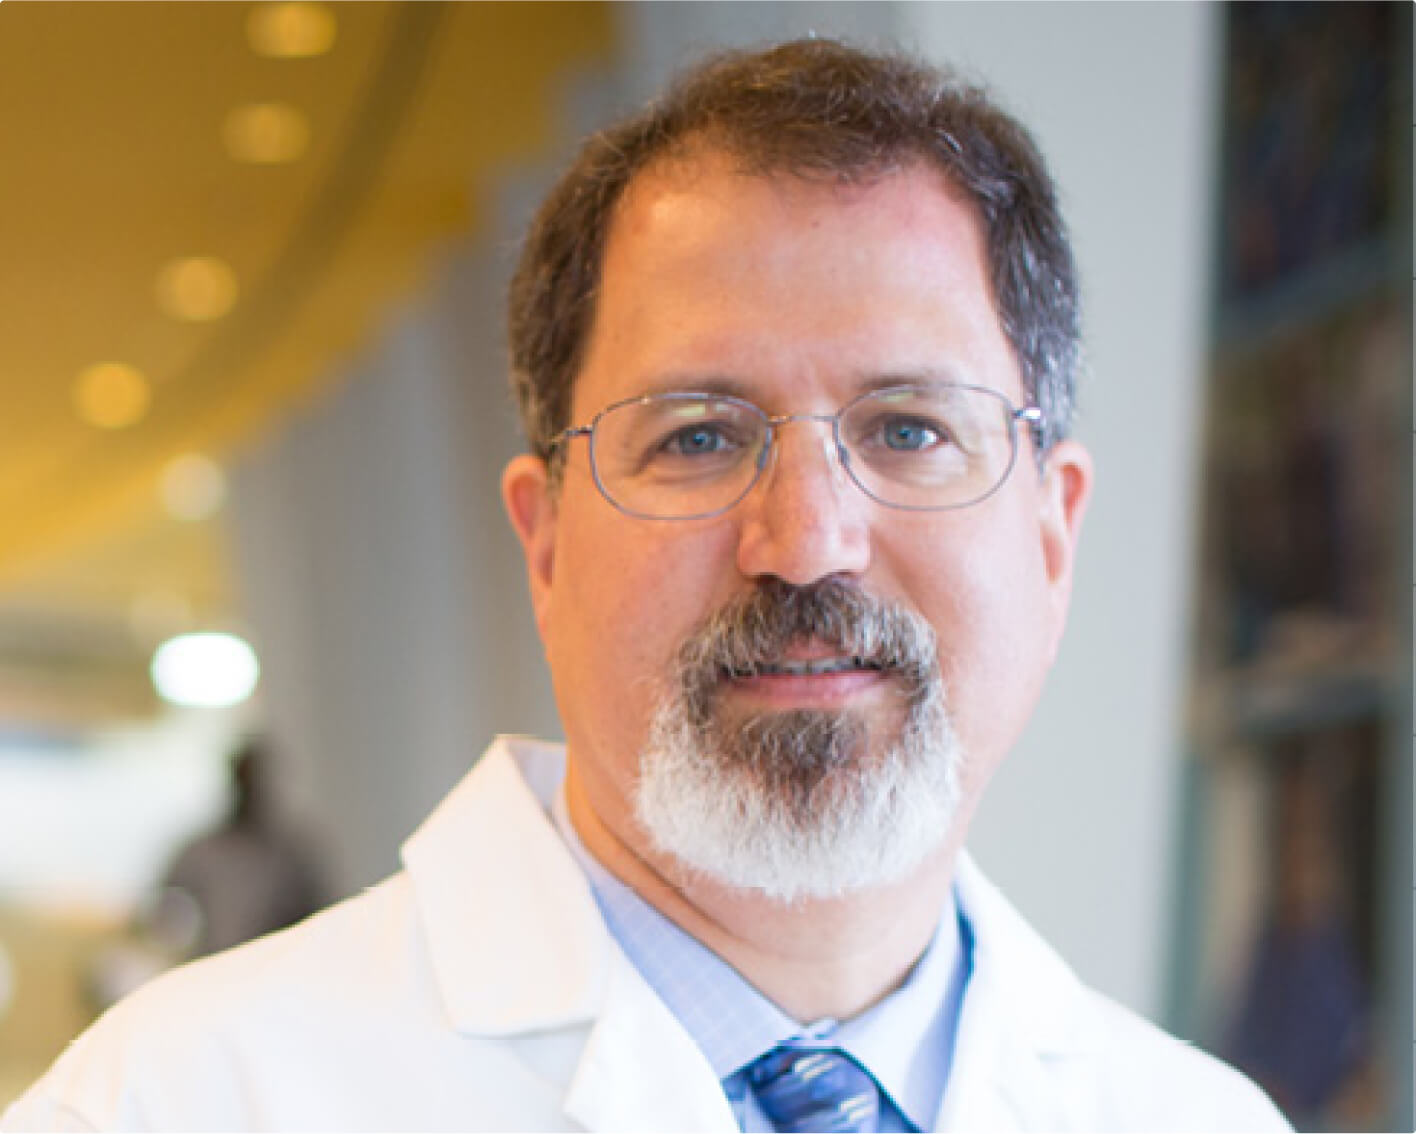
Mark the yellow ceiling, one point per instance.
(113, 127)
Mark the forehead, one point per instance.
(776, 283)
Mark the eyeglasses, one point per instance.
(686, 456)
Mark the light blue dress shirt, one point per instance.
(905, 1041)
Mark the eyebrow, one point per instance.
(922, 376)
(721, 385)
(724, 385)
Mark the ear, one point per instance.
(1064, 493)
(531, 507)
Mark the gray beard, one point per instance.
(805, 803)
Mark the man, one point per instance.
(795, 351)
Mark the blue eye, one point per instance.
(910, 435)
(695, 440)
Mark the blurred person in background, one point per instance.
(252, 875)
(796, 351)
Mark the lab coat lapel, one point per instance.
(1024, 1040)
(640, 1069)
(530, 953)
(516, 940)
(994, 1082)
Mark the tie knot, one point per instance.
(818, 1089)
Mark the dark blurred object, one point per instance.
(1304, 1025)
(251, 876)
(1294, 952)
(1309, 106)
(1305, 459)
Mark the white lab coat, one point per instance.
(478, 989)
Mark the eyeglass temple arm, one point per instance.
(567, 434)
(1032, 416)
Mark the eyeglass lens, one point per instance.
(688, 455)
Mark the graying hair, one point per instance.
(815, 109)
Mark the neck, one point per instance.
(813, 958)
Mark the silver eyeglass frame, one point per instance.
(1030, 415)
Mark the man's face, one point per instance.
(798, 297)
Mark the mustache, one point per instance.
(756, 628)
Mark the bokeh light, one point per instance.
(112, 395)
(265, 133)
(292, 30)
(197, 289)
(205, 670)
(193, 487)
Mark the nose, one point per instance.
(804, 520)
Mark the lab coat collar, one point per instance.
(1025, 1018)
(519, 946)
(516, 940)
(641, 1069)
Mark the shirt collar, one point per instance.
(905, 1041)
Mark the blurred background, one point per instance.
(259, 609)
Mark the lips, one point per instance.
(807, 667)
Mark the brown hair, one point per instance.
(819, 109)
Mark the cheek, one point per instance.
(625, 595)
(985, 597)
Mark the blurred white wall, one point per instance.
(88, 828)
(382, 582)
(385, 587)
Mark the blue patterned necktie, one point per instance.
(817, 1089)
